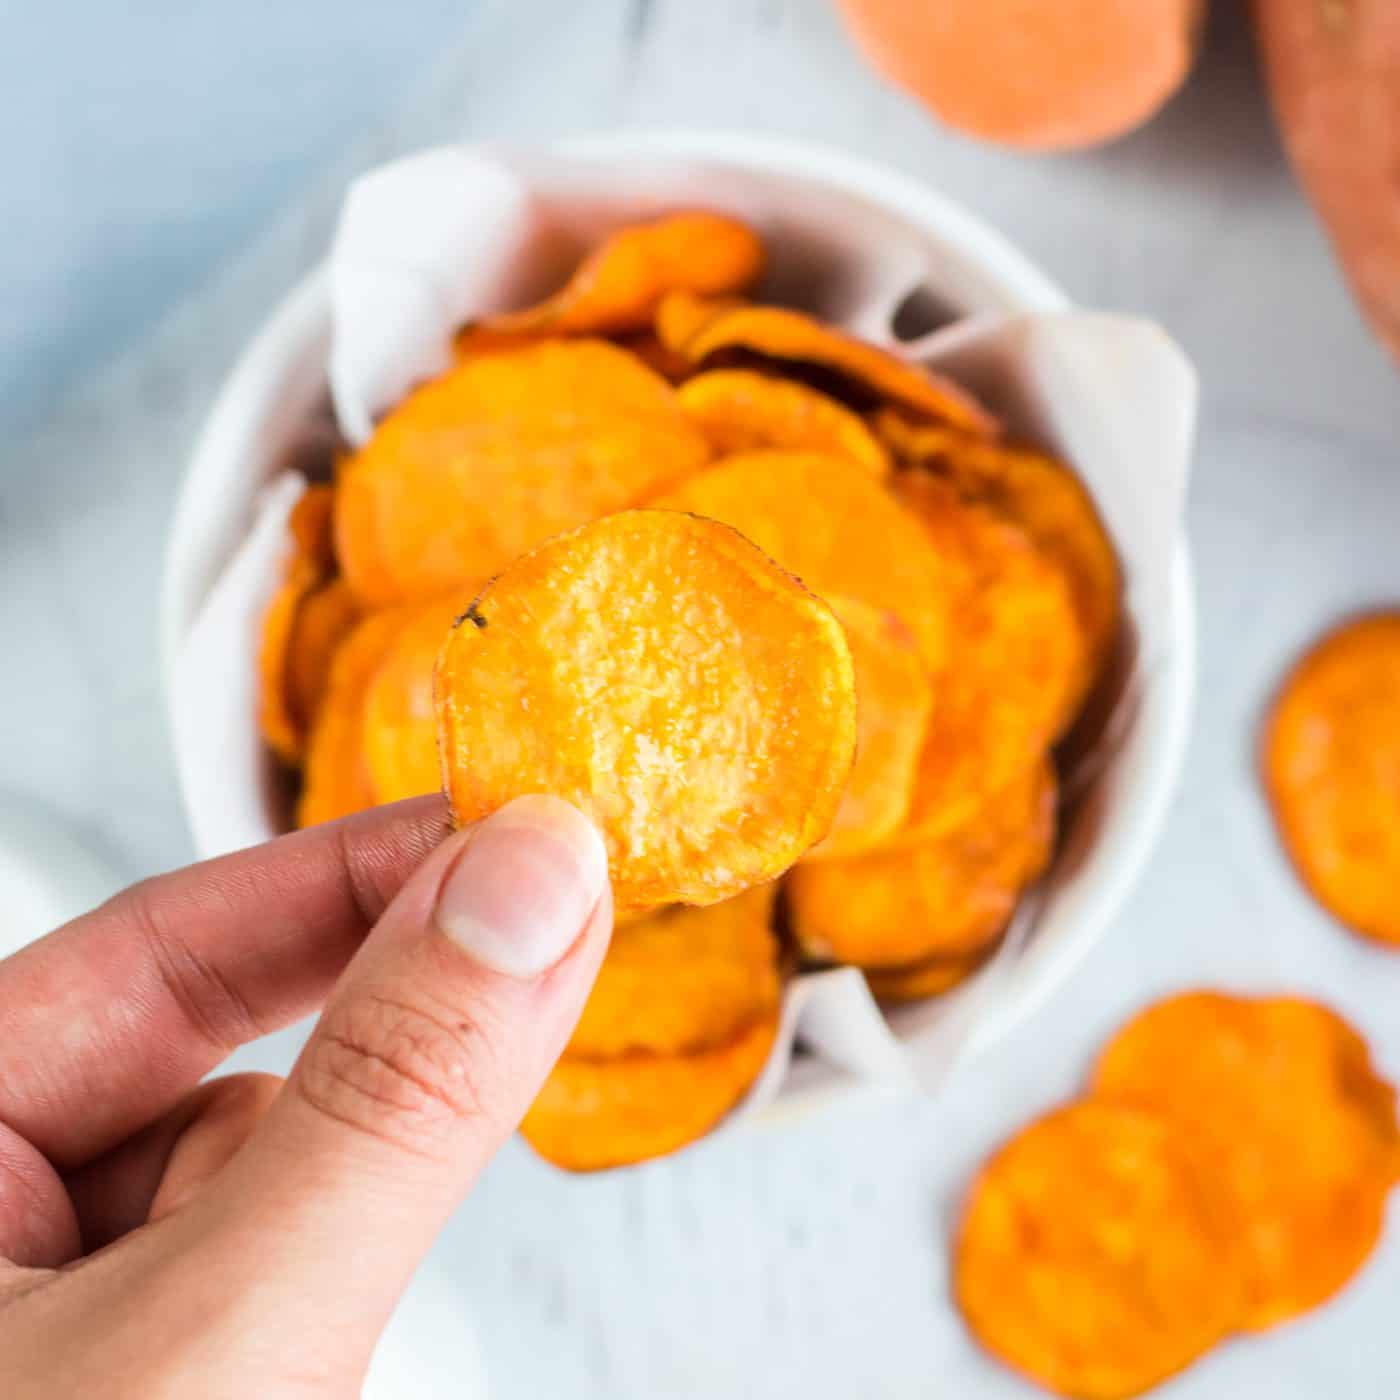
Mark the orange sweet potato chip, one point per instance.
(835, 527)
(741, 410)
(777, 333)
(663, 675)
(281, 718)
(944, 897)
(503, 452)
(1279, 1096)
(683, 980)
(1044, 497)
(1094, 1255)
(674, 368)
(680, 315)
(400, 723)
(894, 697)
(324, 619)
(618, 286)
(593, 1114)
(1331, 753)
(337, 781)
(920, 981)
(1017, 658)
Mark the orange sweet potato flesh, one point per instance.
(1333, 69)
(896, 986)
(593, 1114)
(948, 896)
(665, 676)
(498, 455)
(1044, 75)
(1279, 1098)
(683, 980)
(324, 619)
(1330, 753)
(618, 287)
(1095, 1254)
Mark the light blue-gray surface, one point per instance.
(145, 141)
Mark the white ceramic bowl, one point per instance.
(280, 382)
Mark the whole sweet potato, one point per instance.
(1334, 73)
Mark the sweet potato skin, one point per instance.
(1042, 75)
(1333, 69)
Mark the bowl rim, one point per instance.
(261, 376)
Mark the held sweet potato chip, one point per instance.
(1043, 496)
(336, 781)
(830, 523)
(894, 697)
(499, 454)
(1017, 658)
(618, 286)
(400, 724)
(1094, 1254)
(777, 333)
(1280, 1098)
(681, 315)
(740, 410)
(661, 673)
(593, 1114)
(1331, 752)
(683, 980)
(944, 897)
(920, 981)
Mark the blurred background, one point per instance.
(172, 169)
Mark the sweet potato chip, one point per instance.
(920, 981)
(593, 1114)
(1044, 497)
(683, 980)
(673, 367)
(1017, 658)
(1331, 753)
(1279, 1096)
(663, 675)
(681, 315)
(894, 697)
(618, 286)
(337, 781)
(499, 454)
(944, 897)
(400, 724)
(837, 529)
(1094, 1255)
(777, 333)
(325, 618)
(741, 410)
(281, 719)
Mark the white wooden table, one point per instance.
(811, 1260)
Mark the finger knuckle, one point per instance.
(395, 1070)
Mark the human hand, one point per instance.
(249, 1237)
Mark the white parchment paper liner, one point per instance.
(431, 240)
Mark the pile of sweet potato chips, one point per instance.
(766, 601)
(1227, 1170)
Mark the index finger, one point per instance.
(111, 1018)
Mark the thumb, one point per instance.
(431, 1048)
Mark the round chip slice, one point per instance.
(1279, 1097)
(1017, 658)
(742, 410)
(1094, 1254)
(920, 981)
(323, 621)
(618, 286)
(592, 1114)
(683, 980)
(894, 697)
(680, 315)
(662, 674)
(944, 897)
(1044, 497)
(778, 333)
(837, 529)
(499, 454)
(336, 781)
(1331, 761)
